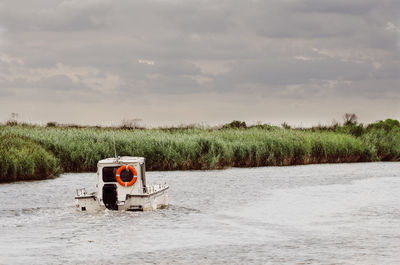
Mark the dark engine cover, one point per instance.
(110, 196)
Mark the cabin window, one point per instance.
(109, 174)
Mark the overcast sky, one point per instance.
(171, 62)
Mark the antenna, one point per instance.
(115, 150)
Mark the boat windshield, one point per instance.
(109, 174)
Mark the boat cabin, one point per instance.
(119, 177)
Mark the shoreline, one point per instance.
(31, 152)
(219, 169)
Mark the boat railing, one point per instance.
(81, 192)
(153, 188)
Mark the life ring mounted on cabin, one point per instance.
(118, 175)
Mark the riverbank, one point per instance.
(37, 152)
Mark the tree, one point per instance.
(131, 124)
(350, 119)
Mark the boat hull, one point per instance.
(147, 202)
(151, 201)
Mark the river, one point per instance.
(314, 214)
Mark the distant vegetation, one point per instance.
(37, 152)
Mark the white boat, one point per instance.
(122, 186)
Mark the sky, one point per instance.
(171, 62)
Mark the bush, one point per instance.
(356, 130)
(386, 125)
(51, 124)
(235, 125)
(385, 143)
(23, 159)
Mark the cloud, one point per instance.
(143, 61)
(66, 15)
(55, 81)
(99, 50)
(356, 7)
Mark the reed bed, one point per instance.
(21, 158)
(50, 149)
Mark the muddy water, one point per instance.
(315, 214)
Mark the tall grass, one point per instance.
(33, 152)
(23, 159)
(79, 149)
(385, 144)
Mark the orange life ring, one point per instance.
(118, 175)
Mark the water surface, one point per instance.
(314, 214)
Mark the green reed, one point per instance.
(21, 158)
(79, 149)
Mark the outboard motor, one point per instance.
(110, 196)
